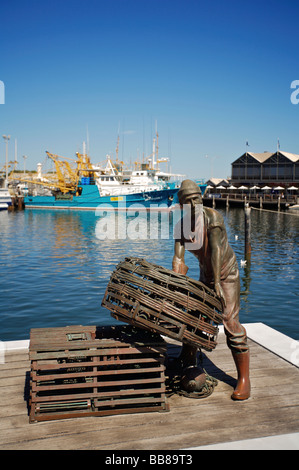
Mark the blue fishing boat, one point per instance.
(89, 187)
(84, 186)
(90, 198)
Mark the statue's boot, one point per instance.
(242, 390)
(193, 379)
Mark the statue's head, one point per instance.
(189, 193)
(190, 200)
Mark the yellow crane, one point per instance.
(67, 173)
(67, 176)
(84, 166)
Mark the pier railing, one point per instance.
(257, 199)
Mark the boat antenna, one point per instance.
(117, 148)
(87, 139)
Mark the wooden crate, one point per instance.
(89, 371)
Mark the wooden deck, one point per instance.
(273, 409)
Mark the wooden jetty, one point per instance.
(222, 200)
(271, 412)
(17, 203)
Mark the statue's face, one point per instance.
(193, 200)
(193, 221)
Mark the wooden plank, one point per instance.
(116, 393)
(65, 354)
(272, 409)
(140, 360)
(99, 385)
(97, 373)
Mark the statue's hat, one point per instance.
(188, 188)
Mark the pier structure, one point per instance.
(271, 202)
(268, 180)
(269, 419)
(266, 168)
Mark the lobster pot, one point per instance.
(155, 298)
(87, 371)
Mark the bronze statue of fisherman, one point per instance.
(207, 240)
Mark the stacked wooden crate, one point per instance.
(95, 371)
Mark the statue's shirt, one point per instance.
(197, 242)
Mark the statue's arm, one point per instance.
(178, 261)
(215, 246)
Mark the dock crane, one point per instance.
(67, 175)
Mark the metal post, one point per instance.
(6, 138)
(247, 232)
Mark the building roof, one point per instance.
(217, 182)
(291, 156)
(263, 157)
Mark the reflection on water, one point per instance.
(268, 284)
(55, 268)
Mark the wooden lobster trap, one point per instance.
(89, 371)
(158, 299)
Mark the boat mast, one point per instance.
(117, 148)
(157, 149)
(154, 151)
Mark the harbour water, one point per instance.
(54, 267)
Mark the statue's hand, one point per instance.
(220, 293)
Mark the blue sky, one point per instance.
(211, 74)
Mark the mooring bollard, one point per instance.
(247, 232)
